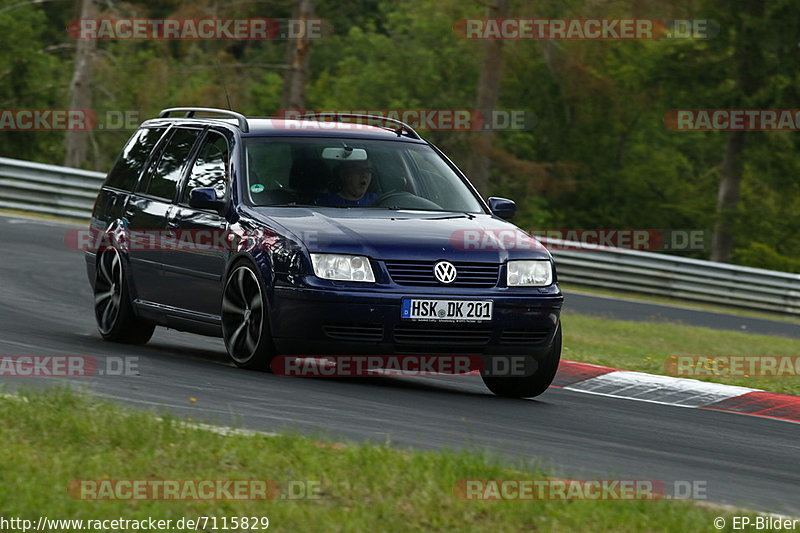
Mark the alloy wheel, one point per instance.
(242, 314)
(108, 290)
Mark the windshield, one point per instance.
(353, 173)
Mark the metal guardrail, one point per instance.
(71, 192)
(48, 189)
(676, 277)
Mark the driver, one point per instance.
(353, 179)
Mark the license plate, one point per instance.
(447, 310)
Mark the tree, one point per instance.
(76, 142)
(488, 94)
(747, 57)
(299, 52)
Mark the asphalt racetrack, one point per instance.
(745, 461)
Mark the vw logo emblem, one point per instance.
(444, 271)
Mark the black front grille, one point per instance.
(420, 274)
(523, 335)
(441, 334)
(354, 332)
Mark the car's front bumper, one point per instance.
(315, 321)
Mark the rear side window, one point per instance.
(133, 157)
(210, 169)
(162, 178)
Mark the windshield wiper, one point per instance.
(289, 205)
(457, 215)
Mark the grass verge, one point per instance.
(645, 347)
(54, 437)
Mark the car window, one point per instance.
(431, 178)
(269, 164)
(163, 177)
(384, 174)
(129, 165)
(210, 169)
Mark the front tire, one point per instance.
(245, 324)
(536, 383)
(113, 311)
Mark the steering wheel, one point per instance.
(388, 195)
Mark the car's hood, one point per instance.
(404, 234)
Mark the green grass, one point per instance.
(57, 436)
(645, 346)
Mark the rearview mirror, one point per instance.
(344, 154)
(206, 198)
(502, 207)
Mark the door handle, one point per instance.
(173, 219)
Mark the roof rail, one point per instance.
(190, 111)
(403, 126)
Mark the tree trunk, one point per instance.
(76, 143)
(728, 198)
(486, 102)
(749, 77)
(299, 51)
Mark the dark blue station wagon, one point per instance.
(349, 239)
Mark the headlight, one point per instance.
(529, 273)
(340, 267)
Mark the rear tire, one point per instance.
(245, 324)
(536, 383)
(113, 311)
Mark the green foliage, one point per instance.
(761, 255)
(30, 78)
(416, 62)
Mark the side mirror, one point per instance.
(502, 207)
(206, 198)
